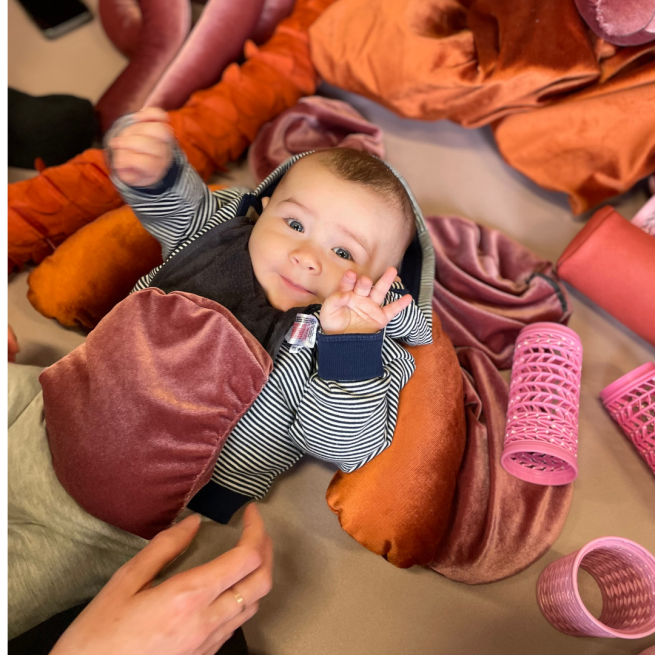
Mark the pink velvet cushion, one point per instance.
(137, 415)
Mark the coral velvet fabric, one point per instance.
(612, 262)
(398, 504)
(137, 415)
(215, 126)
(575, 112)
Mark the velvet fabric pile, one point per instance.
(569, 110)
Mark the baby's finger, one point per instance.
(347, 282)
(151, 114)
(336, 301)
(393, 309)
(158, 131)
(380, 290)
(141, 143)
(363, 286)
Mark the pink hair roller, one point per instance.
(541, 435)
(631, 403)
(625, 574)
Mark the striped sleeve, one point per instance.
(410, 326)
(178, 212)
(176, 208)
(349, 423)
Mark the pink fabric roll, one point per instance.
(217, 39)
(487, 287)
(164, 29)
(122, 22)
(315, 123)
(272, 13)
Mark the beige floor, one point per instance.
(332, 596)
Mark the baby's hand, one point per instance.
(143, 151)
(356, 306)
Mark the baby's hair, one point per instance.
(362, 168)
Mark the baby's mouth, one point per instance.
(295, 287)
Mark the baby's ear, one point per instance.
(265, 202)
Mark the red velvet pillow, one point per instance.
(137, 415)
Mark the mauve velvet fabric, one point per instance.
(487, 288)
(621, 22)
(137, 415)
(315, 123)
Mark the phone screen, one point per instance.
(50, 14)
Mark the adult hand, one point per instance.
(192, 613)
(356, 305)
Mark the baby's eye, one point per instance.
(342, 252)
(295, 225)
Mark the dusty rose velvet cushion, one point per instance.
(137, 415)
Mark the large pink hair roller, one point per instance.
(631, 403)
(541, 435)
(625, 574)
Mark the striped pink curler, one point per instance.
(631, 403)
(541, 435)
(625, 573)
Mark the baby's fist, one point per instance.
(143, 151)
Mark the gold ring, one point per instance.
(240, 601)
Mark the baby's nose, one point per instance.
(306, 258)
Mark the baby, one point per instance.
(330, 228)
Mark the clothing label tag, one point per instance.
(303, 332)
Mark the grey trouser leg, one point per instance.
(59, 555)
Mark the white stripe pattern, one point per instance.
(297, 412)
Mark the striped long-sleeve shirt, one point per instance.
(298, 411)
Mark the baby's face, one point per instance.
(314, 229)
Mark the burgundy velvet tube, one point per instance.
(164, 28)
(216, 40)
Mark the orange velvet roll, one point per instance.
(398, 504)
(94, 269)
(591, 145)
(613, 262)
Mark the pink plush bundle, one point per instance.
(314, 123)
(621, 22)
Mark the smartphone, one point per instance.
(57, 17)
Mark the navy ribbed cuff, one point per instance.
(166, 183)
(350, 357)
(217, 502)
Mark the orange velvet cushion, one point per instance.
(398, 505)
(94, 269)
